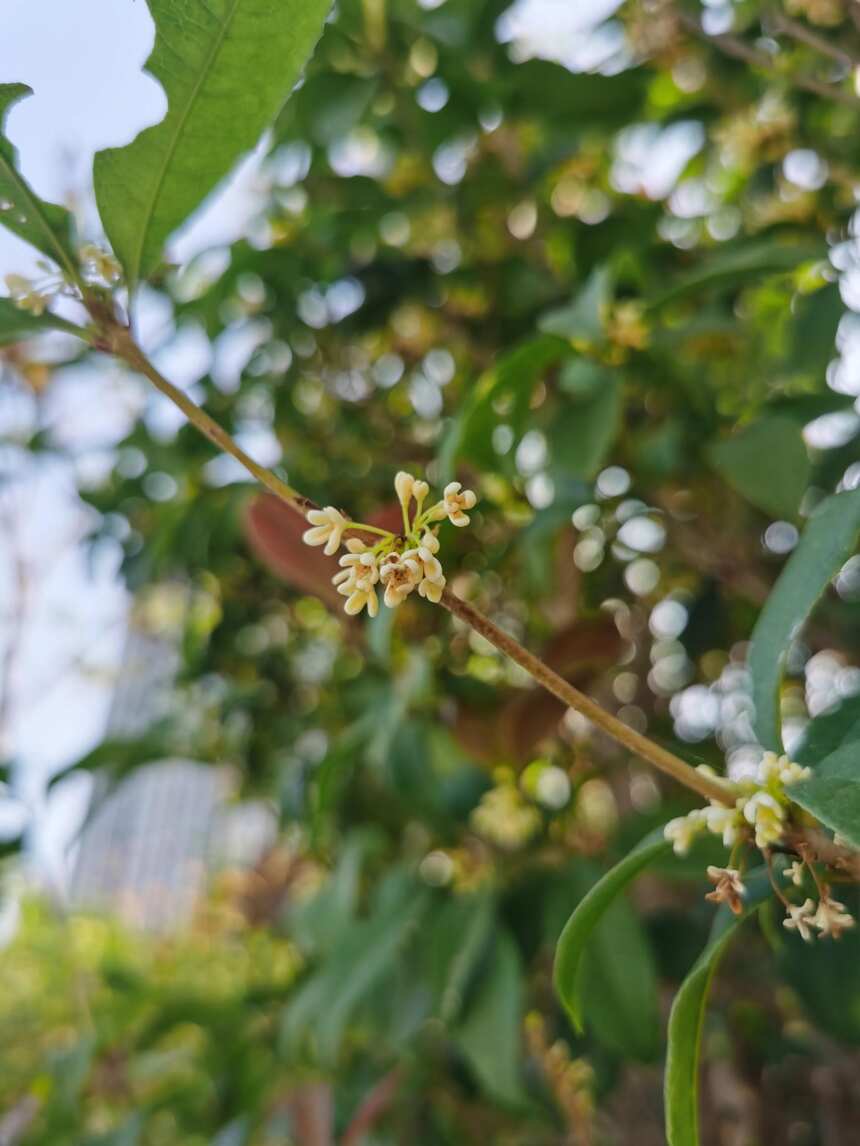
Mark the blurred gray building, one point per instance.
(148, 848)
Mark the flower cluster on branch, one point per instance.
(396, 564)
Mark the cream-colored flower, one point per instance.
(792, 773)
(360, 599)
(101, 264)
(794, 872)
(400, 574)
(404, 485)
(431, 590)
(831, 918)
(419, 491)
(505, 818)
(800, 919)
(455, 502)
(723, 821)
(779, 770)
(766, 815)
(362, 563)
(681, 831)
(25, 296)
(328, 526)
(729, 887)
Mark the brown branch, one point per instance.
(374, 1105)
(739, 49)
(708, 786)
(803, 34)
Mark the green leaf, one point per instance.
(827, 542)
(830, 731)
(731, 266)
(17, 324)
(583, 434)
(588, 914)
(618, 985)
(226, 66)
(583, 319)
(489, 1036)
(767, 463)
(833, 793)
(681, 1083)
(46, 226)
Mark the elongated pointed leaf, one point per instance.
(590, 910)
(827, 542)
(767, 463)
(46, 226)
(681, 1083)
(226, 66)
(833, 793)
(17, 324)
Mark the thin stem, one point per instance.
(125, 347)
(708, 786)
(362, 528)
(740, 50)
(795, 30)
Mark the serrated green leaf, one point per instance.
(833, 793)
(827, 542)
(226, 66)
(681, 1082)
(49, 228)
(767, 463)
(588, 914)
(17, 324)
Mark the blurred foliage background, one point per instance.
(614, 292)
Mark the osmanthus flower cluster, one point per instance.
(758, 816)
(98, 266)
(397, 563)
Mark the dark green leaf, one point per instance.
(767, 463)
(490, 1035)
(833, 793)
(48, 227)
(830, 731)
(827, 542)
(681, 1084)
(583, 434)
(226, 66)
(588, 913)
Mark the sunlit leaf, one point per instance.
(46, 226)
(226, 67)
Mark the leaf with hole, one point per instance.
(227, 67)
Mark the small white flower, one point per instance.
(456, 502)
(360, 599)
(766, 815)
(794, 872)
(419, 491)
(100, 264)
(364, 568)
(800, 919)
(791, 773)
(831, 918)
(404, 485)
(681, 831)
(328, 526)
(400, 574)
(723, 821)
(25, 296)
